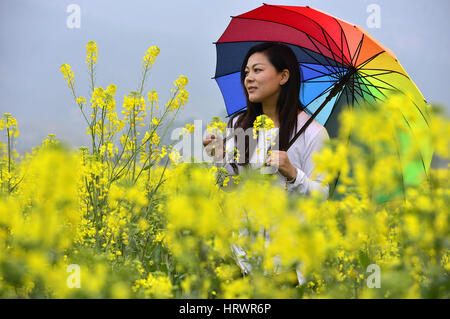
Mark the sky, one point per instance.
(35, 40)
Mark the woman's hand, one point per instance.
(280, 160)
(214, 146)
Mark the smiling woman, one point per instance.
(271, 77)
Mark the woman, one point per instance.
(271, 77)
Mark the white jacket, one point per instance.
(300, 155)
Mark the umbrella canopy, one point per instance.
(342, 66)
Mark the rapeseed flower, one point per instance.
(139, 229)
(91, 54)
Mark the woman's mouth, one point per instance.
(251, 89)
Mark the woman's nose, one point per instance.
(249, 78)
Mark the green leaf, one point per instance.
(364, 259)
(148, 166)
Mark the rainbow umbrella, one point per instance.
(342, 66)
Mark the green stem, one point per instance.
(143, 250)
(140, 147)
(162, 136)
(120, 155)
(9, 150)
(9, 160)
(134, 139)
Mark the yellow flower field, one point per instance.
(125, 217)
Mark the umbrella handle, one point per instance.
(336, 89)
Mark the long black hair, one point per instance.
(288, 105)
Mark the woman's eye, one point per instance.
(256, 70)
(246, 72)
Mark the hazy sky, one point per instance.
(35, 41)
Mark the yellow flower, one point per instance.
(155, 121)
(81, 100)
(91, 53)
(189, 128)
(68, 75)
(175, 157)
(153, 97)
(181, 82)
(216, 126)
(262, 122)
(150, 56)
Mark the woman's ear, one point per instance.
(284, 76)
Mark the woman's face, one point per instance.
(262, 80)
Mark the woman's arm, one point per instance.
(303, 183)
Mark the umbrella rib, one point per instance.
(355, 90)
(367, 75)
(321, 94)
(241, 109)
(335, 57)
(375, 97)
(284, 25)
(320, 76)
(378, 74)
(360, 86)
(324, 74)
(318, 62)
(358, 50)
(336, 89)
(418, 108)
(320, 51)
(370, 59)
(387, 72)
(342, 37)
(398, 90)
(309, 81)
(309, 36)
(370, 84)
(354, 99)
(315, 22)
(301, 48)
(360, 77)
(342, 42)
(378, 87)
(360, 94)
(420, 153)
